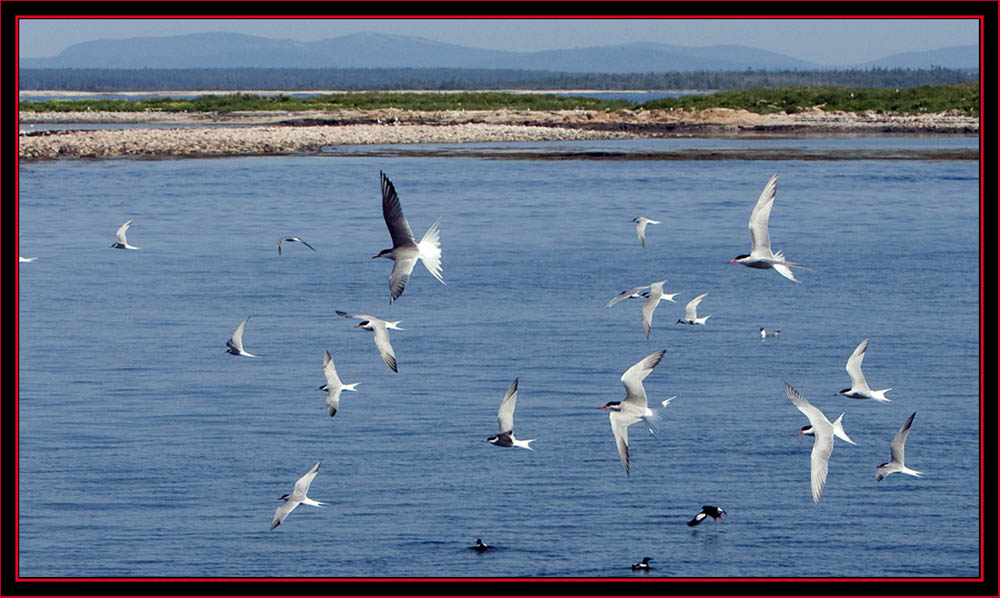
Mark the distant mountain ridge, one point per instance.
(378, 50)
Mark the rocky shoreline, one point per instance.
(275, 133)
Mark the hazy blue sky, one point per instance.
(825, 41)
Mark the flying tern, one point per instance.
(656, 295)
(761, 256)
(640, 228)
(895, 463)
(505, 418)
(297, 497)
(405, 251)
(122, 242)
(381, 330)
(822, 432)
(691, 312)
(859, 386)
(333, 386)
(235, 344)
(293, 240)
(633, 407)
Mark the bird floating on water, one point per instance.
(643, 566)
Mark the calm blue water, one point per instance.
(146, 450)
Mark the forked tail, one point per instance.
(652, 422)
(430, 251)
(879, 395)
(838, 430)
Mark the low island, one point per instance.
(276, 123)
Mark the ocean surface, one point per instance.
(145, 450)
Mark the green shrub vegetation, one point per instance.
(963, 98)
(905, 100)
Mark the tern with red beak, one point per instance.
(822, 432)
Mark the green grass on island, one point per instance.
(963, 98)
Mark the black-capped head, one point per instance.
(843, 392)
(738, 258)
(611, 405)
(808, 430)
(383, 253)
(491, 439)
(324, 387)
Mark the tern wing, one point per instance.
(302, 484)
(640, 230)
(400, 275)
(647, 313)
(282, 512)
(633, 377)
(853, 368)
(392, 211)
(330, 372)
(625, 295)
(760, 239)
(121, 232)
(819, 462)
(505, 416)
(896, 450)
(344, 314)
(619, 426)
(237, 339)
(816, 417)
(383, 345)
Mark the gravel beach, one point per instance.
(267, 133)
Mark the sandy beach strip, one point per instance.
(269, 133)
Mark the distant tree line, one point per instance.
(245, 79)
